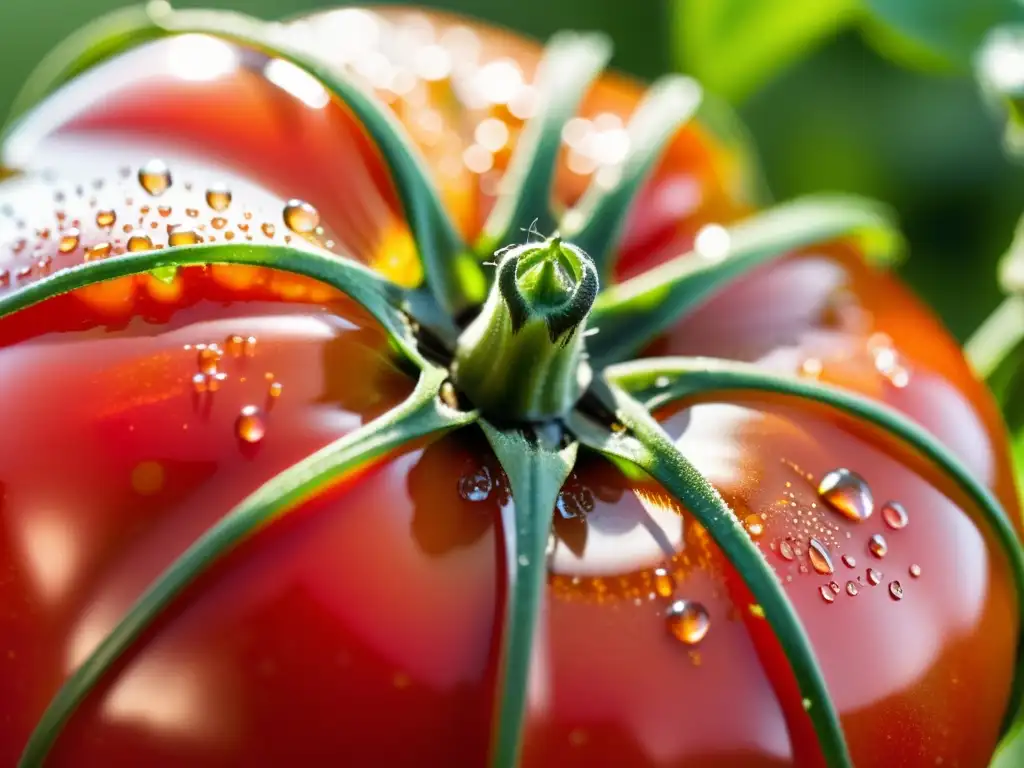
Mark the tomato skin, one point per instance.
(362, 629)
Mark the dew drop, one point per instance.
(819, 556)
(786, 549)
(183, 237)
(754, 526)
(847, 493)
(851, 588)
(874, 577)
(688, 621)
(208, 358)
(218, 197)
(849, 561)
(826, 594)
(199, 382)
(218, 222)
(233, 345)
(106, 218)
(164, 210)
(878, 546)
(192, 213)
(834, 586)
(275, 389)
(664, 584)
(155, 177)
(477, 485)
(914, 570)
(301, 217)
(896, 590)
(137, 243)
(97, 252)
(68, 241)
(250, 426)
(895, 515)
(268, 229)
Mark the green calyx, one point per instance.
(541, 385)
(521, 359)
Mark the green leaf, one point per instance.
(647, 445)
(452, 274)
(420, 415)
(659, 381)
(952, 29)
(570, 63)
(734, 46)
(384, 300)
(630, 314)
(596, 224)
(536, 470)
(1000, 66)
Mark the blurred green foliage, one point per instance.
(822, 84)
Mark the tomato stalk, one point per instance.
(522, 358)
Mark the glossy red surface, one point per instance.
(361, 630)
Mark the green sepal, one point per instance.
(570, 63)
(385, 301)
(422, 414)
(631, 314)
(536, 469)
(659, 381)
(597, 222)
(451, 272)
(645, 444)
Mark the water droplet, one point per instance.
(895, 515)
(477, 485)
(878, 546)
(275, 389)
(301, 217)
(218, 222)
(914, 570)
(106, 218)
(523, 561)
(786, 549)
(155, 177)
(250, 426)
(218, 197)
(819, 556)
(826, 594)
(268, 229)
(754, 526)
(199, 382)
(208, 358)
(834, 586)
(97, 252)
(874, 577)
(164, 210)
(233, 345)
(664, 584)
(849, 561)
(688, 621)
(137, 243)
(847, 493)
(249, 348)
(896, 590)
(807, 703)
(851, 588)
(811, 367)
(68, 241)
(183, 237)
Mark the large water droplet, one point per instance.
(137, 243)
(250, 426)
(688, 621)
(895, 515)
(826, 594)
(68, 241)
(896, 590)
(301, 217)
(106, 218)
(914, 570)
(847, 493)
(851, 588)
(664, 584)
(786, 549)
(878, 546)
(97, 252)
(874, 577)
(477, 485)
(183, 237)
(849, 561)
(208, 359)
(155, 177)
(218, 197)
(819, 556)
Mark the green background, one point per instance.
(842, 117)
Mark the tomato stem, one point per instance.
(522, 358)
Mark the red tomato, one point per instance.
(362, 629)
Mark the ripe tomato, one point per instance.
(362, 629)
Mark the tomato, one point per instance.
(362, 629)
